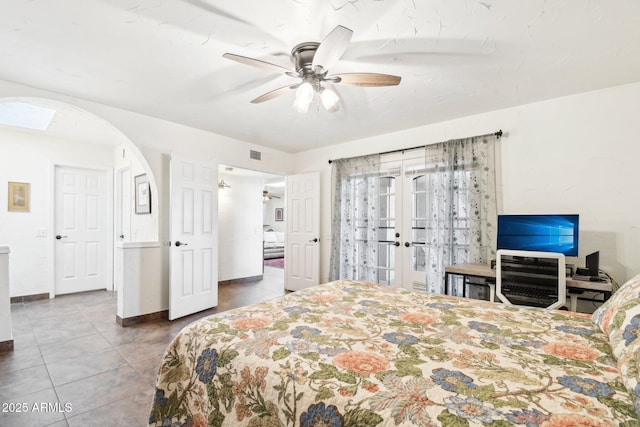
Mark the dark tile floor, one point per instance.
(73, 365)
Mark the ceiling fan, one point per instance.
(312, 62)
(266, 196)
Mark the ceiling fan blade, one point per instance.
(332, 47)
(266, 194)
(257, 63)
(274, 93)
(366, 79)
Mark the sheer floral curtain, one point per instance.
(461, 206)
(353, 249)
(453, 215)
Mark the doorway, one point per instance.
(274, 223)
(251, 217)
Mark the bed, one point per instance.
(273, 244)
(352, 353)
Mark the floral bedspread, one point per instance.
(357, 354)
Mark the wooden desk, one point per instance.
(486, 272)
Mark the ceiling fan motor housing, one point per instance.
(302, 57)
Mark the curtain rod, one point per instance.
(496, 134)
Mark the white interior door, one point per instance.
(81, 262)
(302, 246)
(194, 247)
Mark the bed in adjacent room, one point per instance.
(273, 244)
(351, 353)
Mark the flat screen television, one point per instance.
(542, 233)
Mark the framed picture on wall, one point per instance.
(143, 194)
(279, 214)
(19, 197)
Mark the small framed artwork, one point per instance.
(279, 214)
(143, 194)
(19, 195)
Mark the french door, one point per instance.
(401, 224)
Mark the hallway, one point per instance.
(73, 360)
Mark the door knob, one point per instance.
(396, 243)
(314, 240)
(407, 244)
(61, 237)
(179, 243)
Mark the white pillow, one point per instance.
(270, 237)
(280, 236)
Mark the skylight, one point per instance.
(29, 116)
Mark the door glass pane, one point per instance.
(418, 223)
(387, 198)
(385, 230)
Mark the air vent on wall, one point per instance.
(255, 155)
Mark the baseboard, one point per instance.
(241, 280)
(27, 298)
(143, 318)
(6, 346)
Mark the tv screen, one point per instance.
(544, 233)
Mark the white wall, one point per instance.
(138, 279)
(576, 154)
(29, 157)
(240, 224)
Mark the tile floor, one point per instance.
(73, 365)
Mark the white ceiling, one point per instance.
(456, 58)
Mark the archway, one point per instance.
(72, 137)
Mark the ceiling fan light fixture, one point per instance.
(312, 62)
(304, 96)
(301, 106)
(329, 100)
